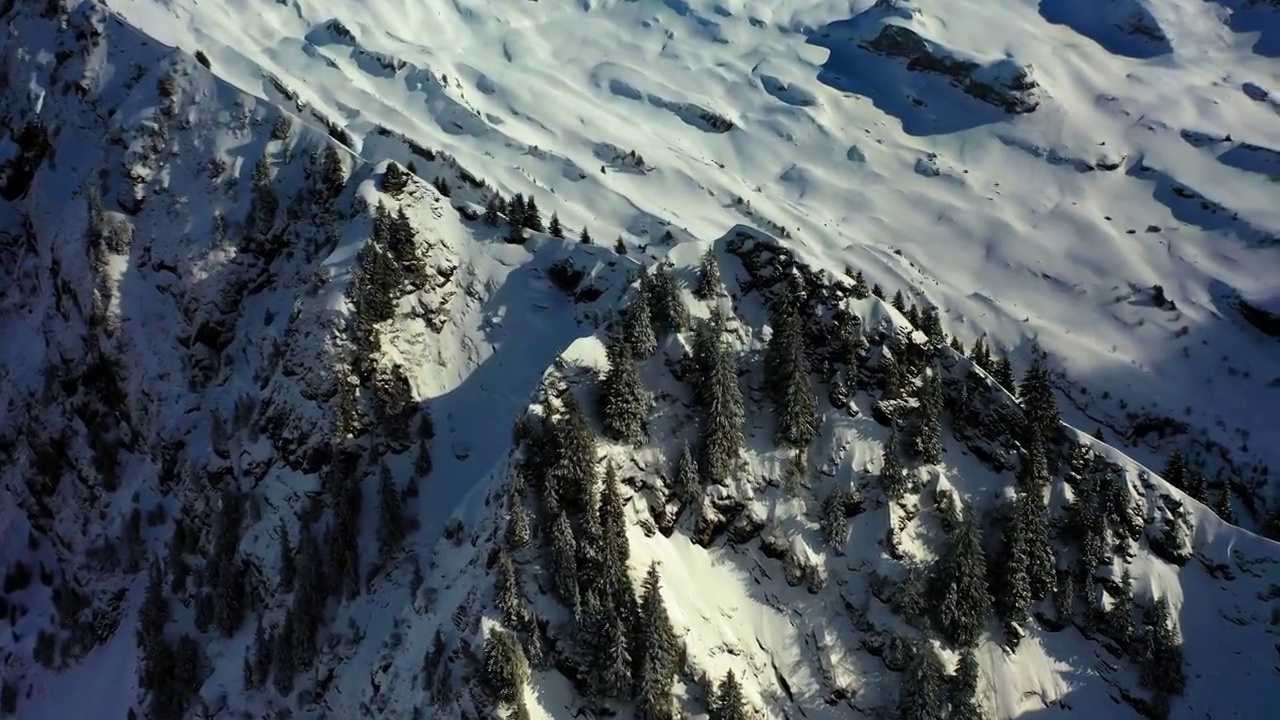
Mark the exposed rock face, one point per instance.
(1005, 85)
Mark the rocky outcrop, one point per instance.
(1004, 84)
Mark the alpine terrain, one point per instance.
(653, 359)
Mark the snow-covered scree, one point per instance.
(306, 417)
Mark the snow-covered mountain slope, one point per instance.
(1148, 158)
(246, 337)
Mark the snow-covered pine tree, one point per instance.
(1175, 471)
(961, 586)
(655, 652)
(1041, 563)
(288, 565)
(893, 476)
(889, 375)
(963, 687)
(709, 283)
(1119, 618)
(610, 672)
(624, 405)
(506, 670)
(922, 694)
(391, 525)
(787, 372)
(980, 355)
(833, 522)
(899, 303)
(507, 595)
(686, 486)
(1222, 504)
(639, 322)
(564, 561)
(1002, 373)
(1040, 407)
(720, 398)
(554, 228)
(929, 433)
(573, 458)
(615, 555)
(531, 216)
(728, 702)
(860, 289)
(1160, 655)
(1013, 588)
(584, 237)
(666, 306)
(491, 217)
(518, 531)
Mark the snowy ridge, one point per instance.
(755, 605)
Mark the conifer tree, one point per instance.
(1119, 618)
(584, 237)
(615, 554)
(573, 457)
(929, 434)
(1197, 486)
(877, 291)
(639, 322)
(860, 289)
(931, 325)
(964, 599)
(709, 283)
(391, 526)
(554, 228)
(508, 598)
(1041, 563)
(564, 561)
(1039, 405)
(624, 403)
(506, 669)
(610, 673)
(515, 211)
(1222, 504)
(899, 303)
(787, 372)
(728, 703)
(687, 486)
(518, 532)
(1003, 375)
(720, 398)
(1175, 471)
(1014, 595)
(667, 307)
(980, 355)
(491, 217)
(619, 246)
(264, 202)
(288, 568)
(964, 689)
(890, 375)
(262, 648)
(655, 652)
(893, 476)
(1160, 657)
(833, 522)
(531, 216)
(923, 693)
